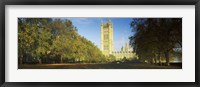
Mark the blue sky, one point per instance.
(90, 29)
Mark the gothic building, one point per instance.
(107, 43)
(125, 52)
(107, 37)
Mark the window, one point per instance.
(105, 47)
(106, 36)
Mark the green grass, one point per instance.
(95, 66)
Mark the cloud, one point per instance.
(83, 20)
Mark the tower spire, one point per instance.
(101, 22)
(109, 21)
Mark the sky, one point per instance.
(90, 29)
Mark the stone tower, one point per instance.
(127, 46)
(107, 37)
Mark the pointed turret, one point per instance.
(101, 22)
(127, 46)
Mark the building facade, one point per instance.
(107, 43)
(107, 38)
(125, 52)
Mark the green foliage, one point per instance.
(54, 41)
(111, 58)
(156, 37)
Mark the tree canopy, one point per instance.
(52, 40)
(155, 38)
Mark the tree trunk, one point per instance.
(152, 60)
(40, 61)
(160, 60)
(155, 60)
(20, 59)
(61, 60)
(167, 57)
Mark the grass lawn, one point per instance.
(97, 66)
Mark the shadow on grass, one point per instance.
(98, 66)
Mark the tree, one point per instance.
(28, 34)
(156, 36)
(54, 41)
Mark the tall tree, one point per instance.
(156, 36)
(54, 41)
